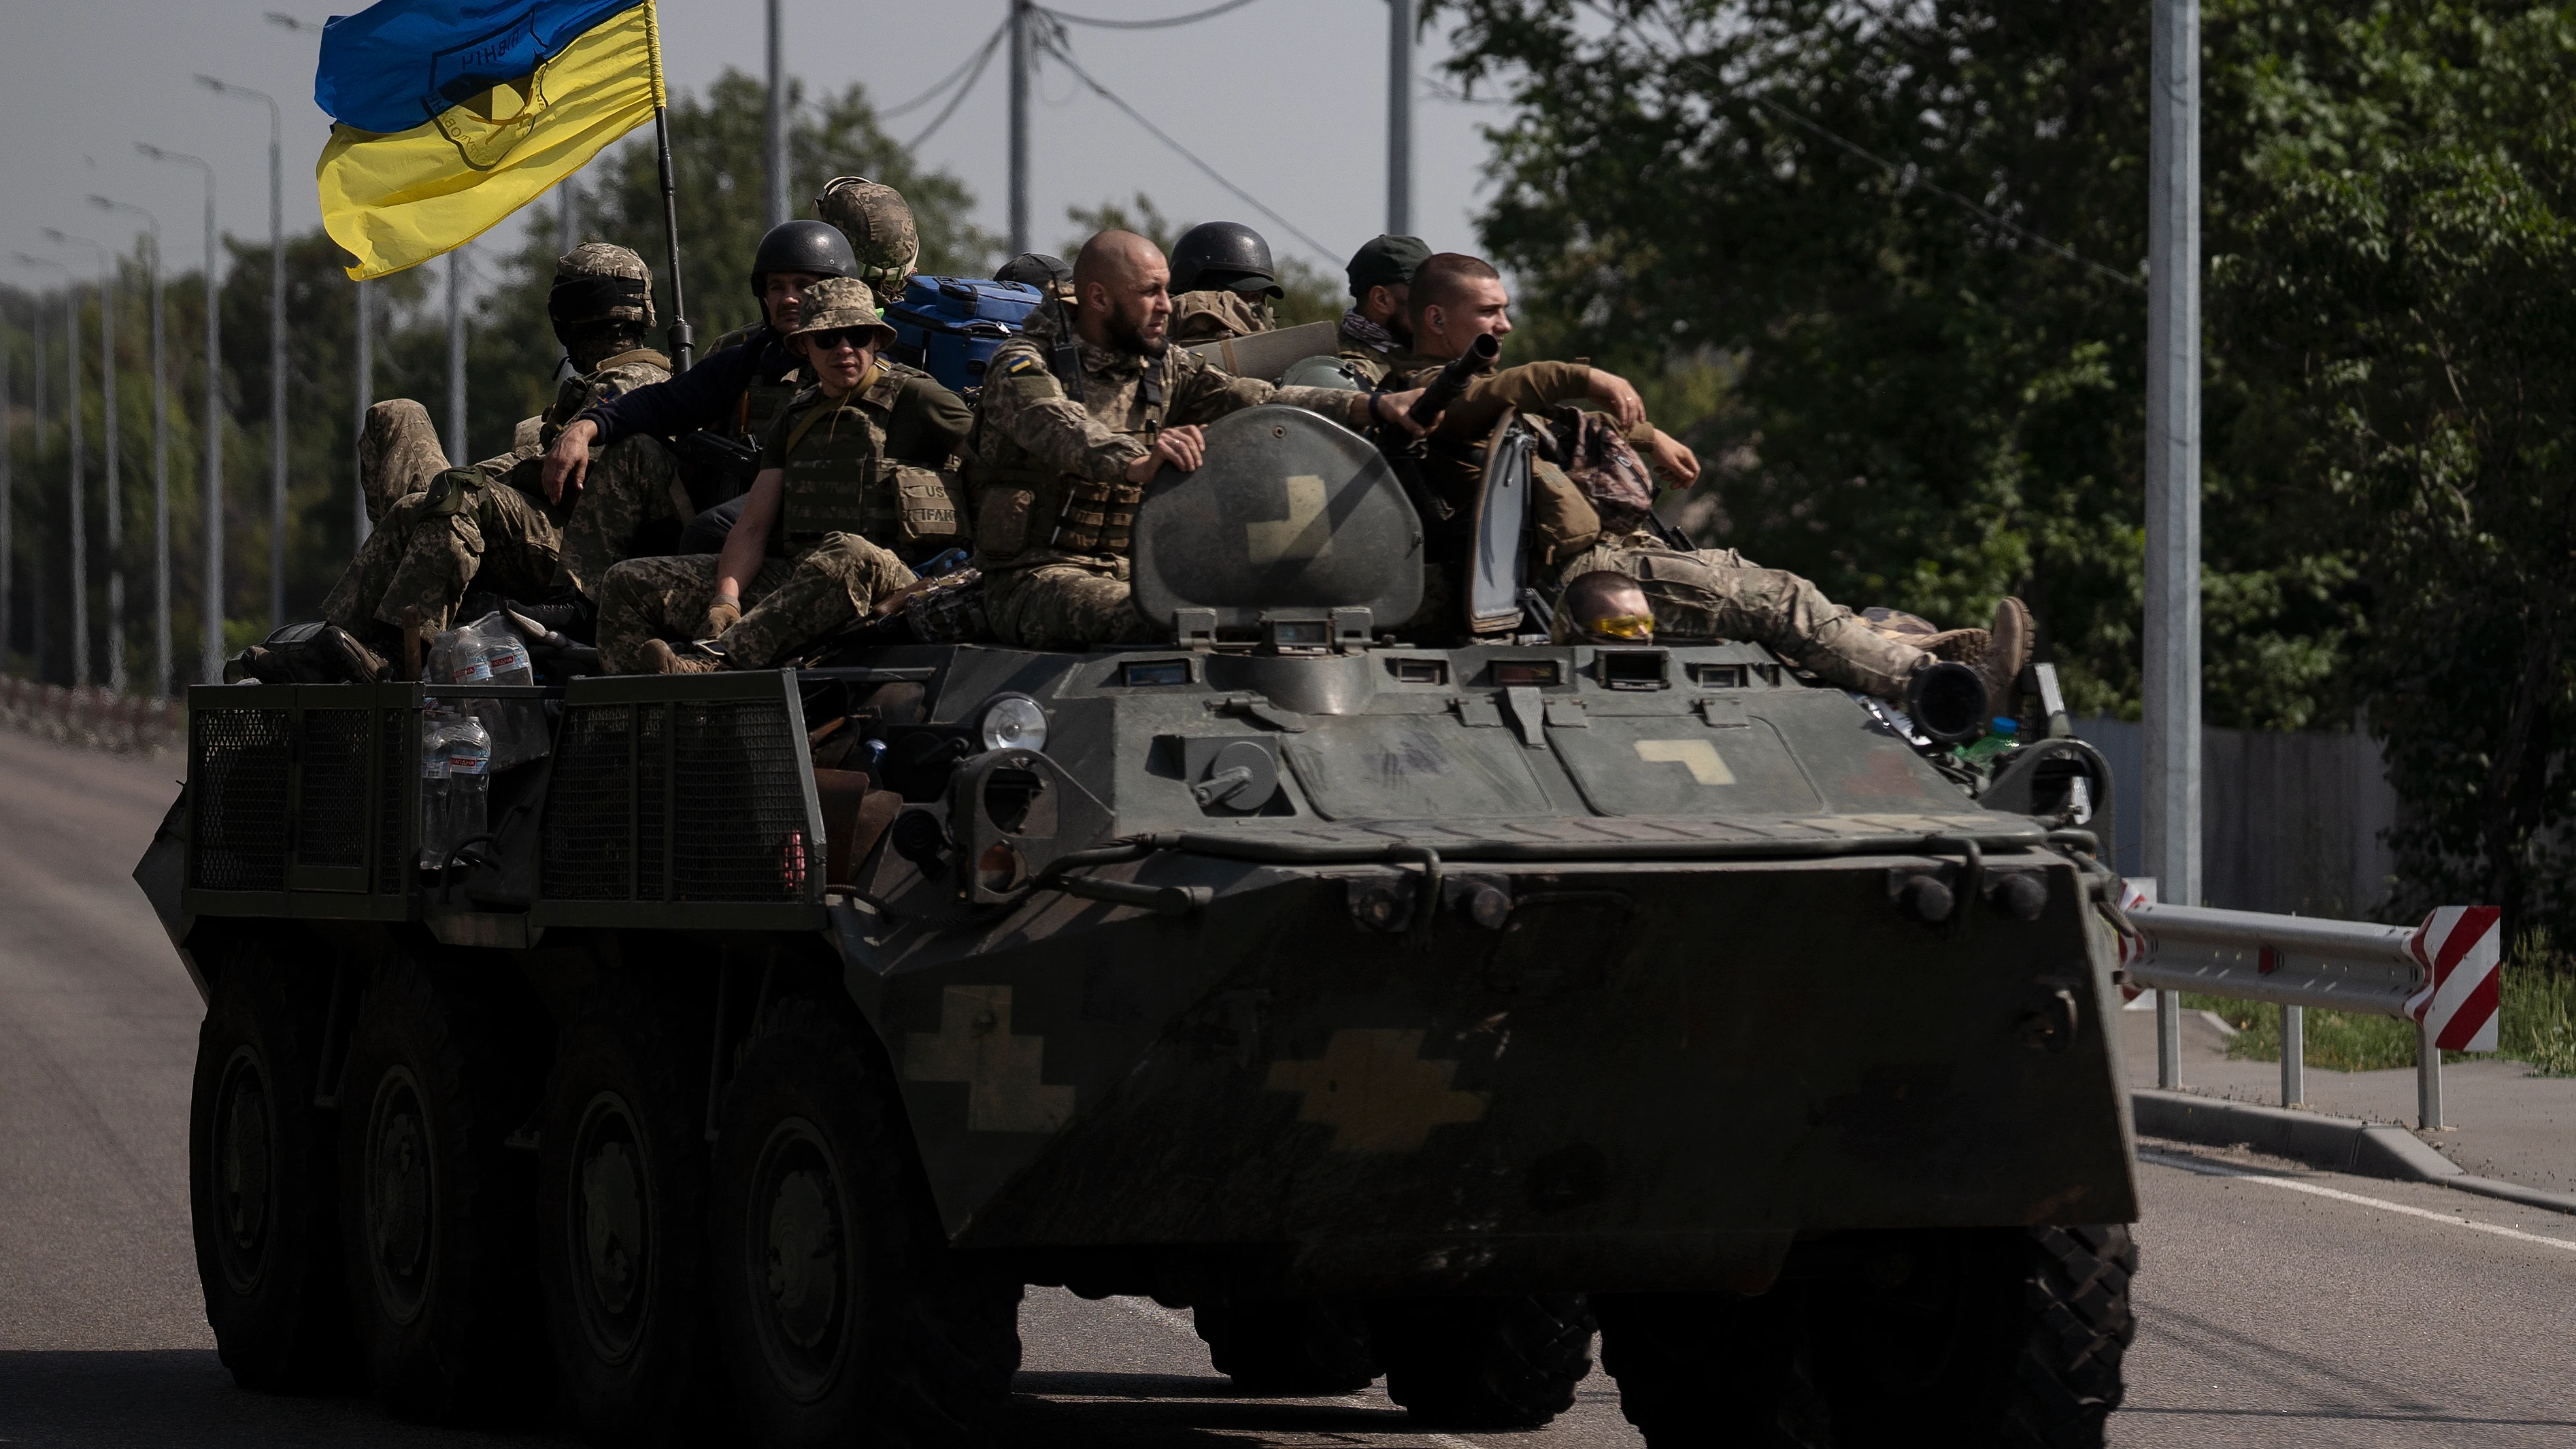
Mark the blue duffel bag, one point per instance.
(949, 326)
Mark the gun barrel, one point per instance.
(1453, 379)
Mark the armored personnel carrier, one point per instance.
(1425, 1012)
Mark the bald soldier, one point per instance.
(1059, 461)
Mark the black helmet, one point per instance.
(1222, 254)
(1035, 269)
(802, 246)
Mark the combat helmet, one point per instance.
(801, 246)
(878, 222)
(1223, 255)
(600, 282)
(1036, 269)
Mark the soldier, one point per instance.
(1036, 269)
(850, 492)
(1059, 462)
(1375, 326)
(480, 526)
(1223, 283)
(878, 222)
(1607, 527)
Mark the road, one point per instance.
(2278, 1306)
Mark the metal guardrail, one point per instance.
(2439, 975)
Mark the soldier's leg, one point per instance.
(1714, 594)
(521, 545)
(352, 602)
(441, 556)
(1065, 606)
(630, 485)
(830, 588)
(398, 455)
(665, 597)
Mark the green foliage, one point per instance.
(2536, 1025)
(1312, 295)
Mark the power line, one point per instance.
(1054, 44)
(1910, 176)
(1167, 21)
(926, 97)
(983, 58)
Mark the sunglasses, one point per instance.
(858, 339)
(1623, 626)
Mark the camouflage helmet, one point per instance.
(838, 302)
(878, 222)
(600, 282)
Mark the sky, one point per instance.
(1287, 98)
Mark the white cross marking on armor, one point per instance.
(1299, 535)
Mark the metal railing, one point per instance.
(2293, 962)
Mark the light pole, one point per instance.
(112, 479)
(1023, 58)
(160, 461)
(8, 488)
(777, 117)
(456, 358)
(276, 348)
(210, 665)
(80, 466)
(1399, 117)
(363, 383)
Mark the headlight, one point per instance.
(1013, 722)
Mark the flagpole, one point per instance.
(681, 339)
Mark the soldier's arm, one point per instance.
(695, 399)
(1204, 393)
(929, 425)
(1023, 402)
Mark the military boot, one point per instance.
(1997, 654)
(661, 658)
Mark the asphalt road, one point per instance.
(2279, 1307)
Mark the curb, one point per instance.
(2337, 1144)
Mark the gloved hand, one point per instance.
(721, 615)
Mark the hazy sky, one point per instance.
(1286, 97)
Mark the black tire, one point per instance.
(844, 1319)
(622, 1219)
(262, 1192)
(435, 1210)
(1484, 1363)
(1288, 1347)
(1713, 1370)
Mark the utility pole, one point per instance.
(456, 358)
(210, 664)
(1399, 117)
(1023, 58)
(8, 493)
(160, 459)
(36, 585)
(777, 114)
(567, 215)
(2173, 485)
(364, 386)
(276, 348)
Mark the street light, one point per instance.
(113, 481)
(365, 370)
(210, 668)
(160, 460)
(80, 465)
(276, 347)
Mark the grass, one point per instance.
(2538, 1024)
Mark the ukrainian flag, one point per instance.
(451, 114)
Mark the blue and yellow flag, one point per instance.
(451, 114)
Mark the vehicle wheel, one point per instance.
(843, 1317)
(2015, 1334)
(622, 1219)
(434, 1210)
(1700, 1370)
(1288, 1346)
(1484, 1363)
(261, 1188)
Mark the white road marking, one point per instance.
(1178, 1322)
(2211, 1169)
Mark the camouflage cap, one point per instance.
(600, 282)
(878, 222)
(837, 302)
(1387, 261)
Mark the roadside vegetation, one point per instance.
(2538, 1024)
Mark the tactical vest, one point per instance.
(766, 395)
(839, 480)
(1037, 507)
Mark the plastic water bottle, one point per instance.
(2003, 735)
(469, 782)
(434, 779)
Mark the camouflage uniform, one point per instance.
(878, 222)
(467, 528)
(1365, 345)
(1216, 315)
(1052, 502)
(398, 455)
(1712, 593)
(878, 464)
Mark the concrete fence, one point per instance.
(2294, 824)
(95, 718)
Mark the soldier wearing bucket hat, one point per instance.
(857, 482)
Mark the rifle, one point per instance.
(1404, 454)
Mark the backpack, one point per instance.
(949, 326)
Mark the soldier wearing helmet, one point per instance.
(1223, 283)
(484, 526)
(855, 486)
(878, 223)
